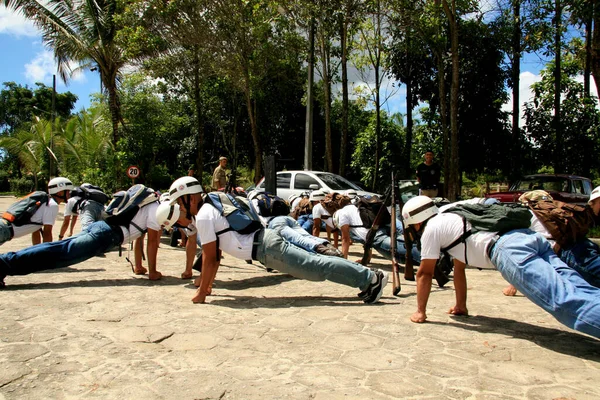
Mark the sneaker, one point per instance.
(2, 284)
(327, 249)
(375, 290)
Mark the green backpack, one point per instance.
(500, 218)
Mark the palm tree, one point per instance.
(82, 33)
(33, 147)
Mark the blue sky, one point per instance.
(26, 62)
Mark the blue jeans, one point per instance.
(526, 260)
(306, 222)
(90, 212)
(290, 230)
(584, 257)
(99, 238)
(383, 244)
(277, 253)
(5, 230)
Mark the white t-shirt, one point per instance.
(70, 206)
(295, 203)
(210, 221)
(537, 226)
(145, 219)
(45, 215)
(350, 215)
(443, 229)
(320, 212)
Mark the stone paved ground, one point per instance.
(96, 331)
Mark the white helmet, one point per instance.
(57, 185)
(292, 198)
(253, 193)
(167, 214)
(595, 194)
(164, 197)
(183, 186)
(317, 195)
(418, 209)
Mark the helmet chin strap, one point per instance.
(186, 200)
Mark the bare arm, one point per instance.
(190, 254)
(64, 226)
(424, 278)
(210, 265)
(345, 240)
(36, 237)
(47, 233)
(460, 287)
(73, 222)
(317, 227)
(152, 252)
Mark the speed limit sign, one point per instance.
(133, 172)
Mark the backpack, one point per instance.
(238, 211)
(303, 208)
(20, 213)
(335, 201)
(567, 223)
(270, 205)
(499, 218)
(368, 209)
(125, 205)
(88, 191)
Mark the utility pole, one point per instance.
(308, 137)
(51, 164)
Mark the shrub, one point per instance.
(23, 186)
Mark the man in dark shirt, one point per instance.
(428, 175)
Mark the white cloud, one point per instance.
(525, 93)
(15, 24)
(43, 66)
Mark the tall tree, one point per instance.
(81, 33)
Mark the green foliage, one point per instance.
(392, 136)
(22, 186)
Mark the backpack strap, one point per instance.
(461, 239)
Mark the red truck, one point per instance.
(562, 187)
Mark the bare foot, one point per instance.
(187, 275)
(154, 276)
(197, 281)
(510, 290)
(456, 310)
(140, 270)
(199, 298)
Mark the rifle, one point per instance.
(373, 230)
(395, 275)
(409, 269)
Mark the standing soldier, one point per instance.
(220, 175)
(428, 175)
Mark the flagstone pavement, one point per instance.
(96, 331)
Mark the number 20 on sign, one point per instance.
(133, 172)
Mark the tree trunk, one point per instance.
(376, 68)
(199, 117)
(115, 111)
(409, 114)
(515, 167)
(327, 103)
(587, 70)
(344, 61)
(558, 153)
(595, 45)
(453, 189)
(254, 127)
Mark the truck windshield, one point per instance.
(553, 183)
(336, 182)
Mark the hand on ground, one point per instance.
(456, 310)
(140, 270)
(187, 275)
(418, 317)
(510, 290)
(154, 276)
